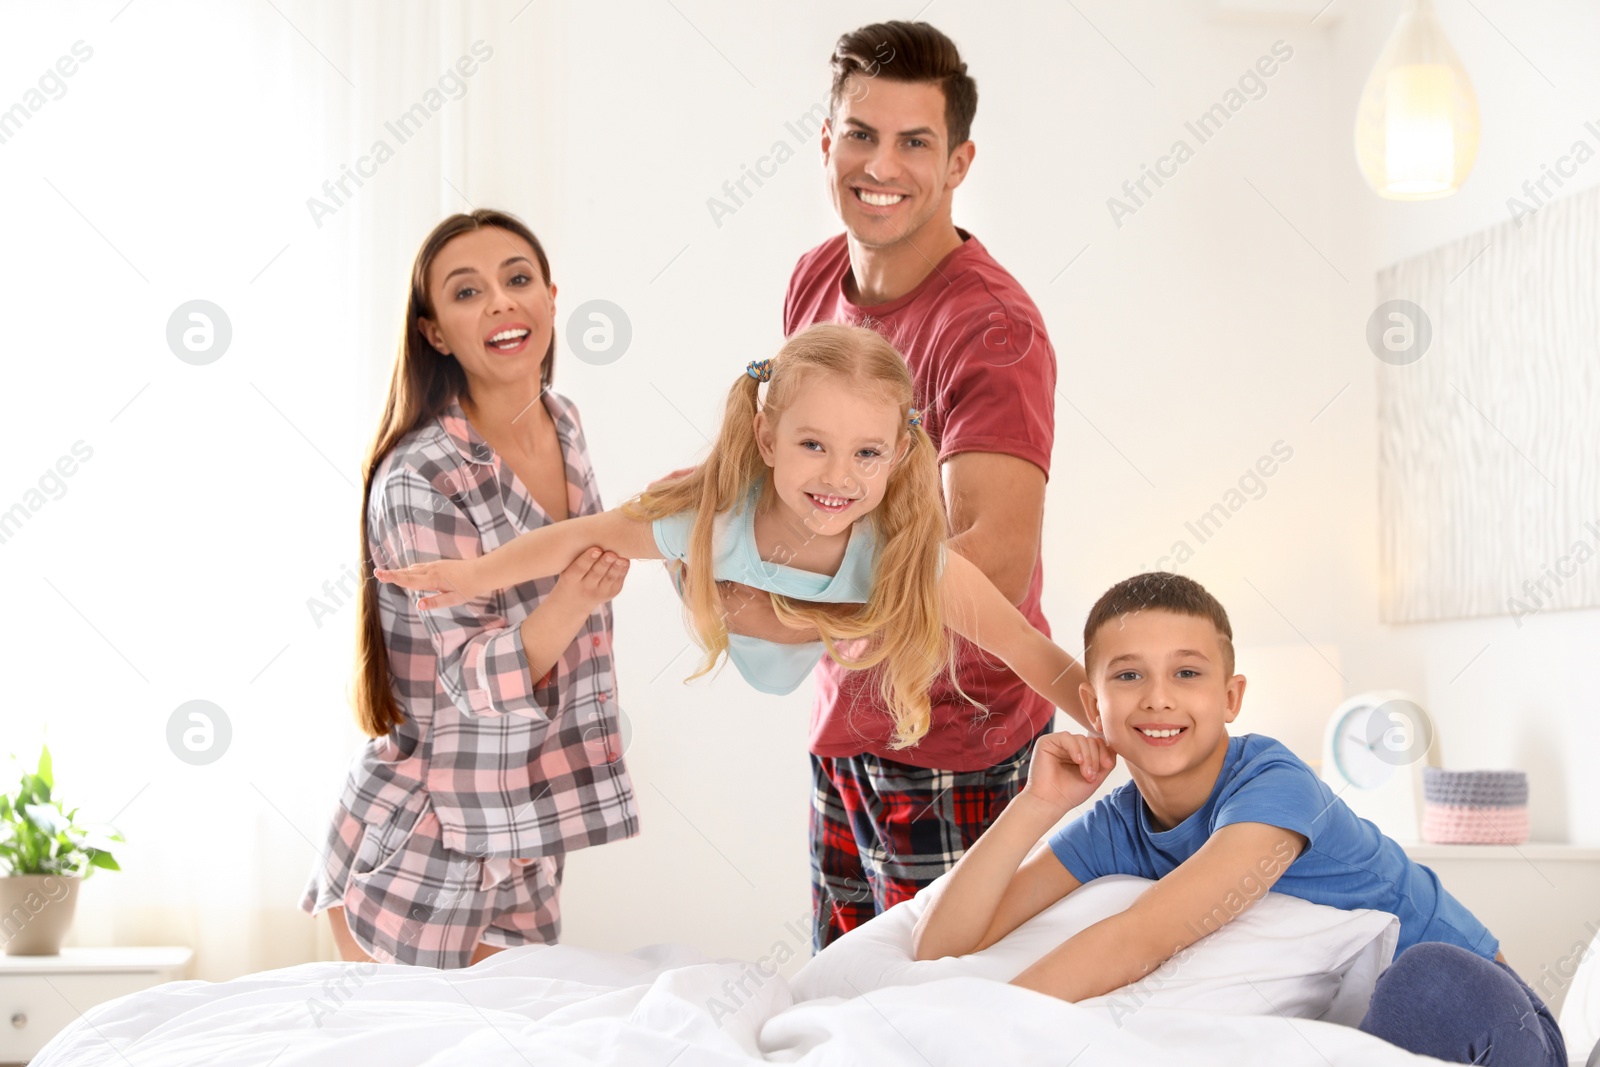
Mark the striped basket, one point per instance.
(1474, 807)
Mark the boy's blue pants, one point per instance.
(1443, 1001)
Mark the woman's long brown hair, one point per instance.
(423, 384)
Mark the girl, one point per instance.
(826, 495)
(495, 732)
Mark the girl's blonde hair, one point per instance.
(902, 616)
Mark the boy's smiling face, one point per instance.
(1161, 693)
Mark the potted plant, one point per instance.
(44, 854)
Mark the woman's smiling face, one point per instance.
(494, 310)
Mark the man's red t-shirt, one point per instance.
(985, 380)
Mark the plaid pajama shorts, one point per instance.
(881, 830)
(409, 899)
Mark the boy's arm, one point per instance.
(1231, 871)
(976, 610)
(985, 896)
(992, 896)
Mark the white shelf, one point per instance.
(99, 961)
(41, 995)
(1530, 850)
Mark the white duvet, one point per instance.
(663, 1005)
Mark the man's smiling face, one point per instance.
(887, 153)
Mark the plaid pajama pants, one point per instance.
(881, 830)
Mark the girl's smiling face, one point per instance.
(493, 309)
(831, 451)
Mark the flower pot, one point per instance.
(36, 912)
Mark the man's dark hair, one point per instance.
(1159, 591)
(909, 52)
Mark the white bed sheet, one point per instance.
(664, 1005)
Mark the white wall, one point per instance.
(1222, 317)
(1503, 695)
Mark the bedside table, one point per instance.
(1537, 898)
(40, 995)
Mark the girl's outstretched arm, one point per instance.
(536, 554)
(976, 610)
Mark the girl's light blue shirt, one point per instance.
(771, 667)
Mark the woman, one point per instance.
(496, 743)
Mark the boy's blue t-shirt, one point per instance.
(1347, 863)
(767, 665)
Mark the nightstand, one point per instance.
(40, 995)
(1537, 898)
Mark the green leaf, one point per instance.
(47, 818)
(34, 790)
(39, 836)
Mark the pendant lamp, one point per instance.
(1417, 124)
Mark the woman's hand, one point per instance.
(591, 579)
(1067, 769)
(454, 579)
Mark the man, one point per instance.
(895, 148)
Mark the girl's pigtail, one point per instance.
(903, 618)
(715, 486)
(918, 647)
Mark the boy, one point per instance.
(1219, 821)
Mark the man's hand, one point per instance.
(748, 611)
(679, 473)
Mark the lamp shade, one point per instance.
(1417, 123)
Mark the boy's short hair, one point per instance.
(909, 52)
(1159, 591)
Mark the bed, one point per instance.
(1279, 986)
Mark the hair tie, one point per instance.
(759, 369)
(916, 417)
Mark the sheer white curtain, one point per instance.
(205, 550)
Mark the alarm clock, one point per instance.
(1373, 752)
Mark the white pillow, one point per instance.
(1283, 956)
(1580, 1012)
